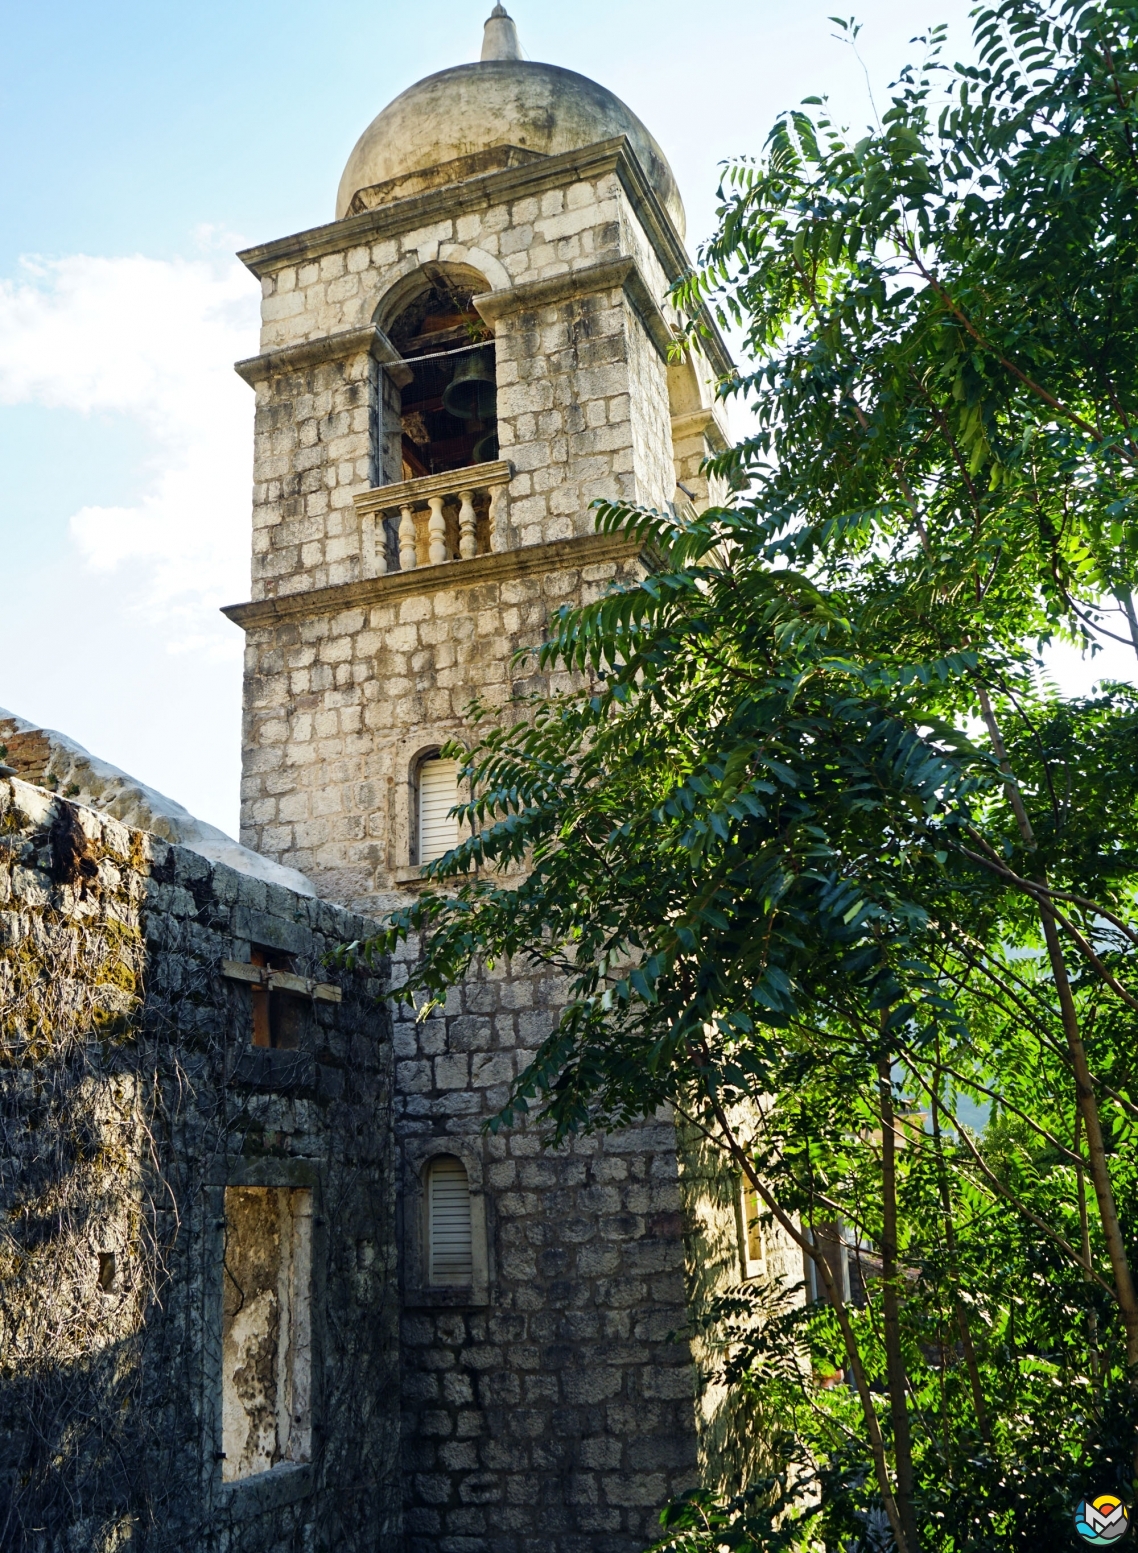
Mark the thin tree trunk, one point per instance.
(1126, 599)
(891, 1301)
(1124, 1289)
(1093, 1354)
(841, 1314)
(960, 1312)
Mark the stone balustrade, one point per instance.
(446, 517)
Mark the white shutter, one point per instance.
(438, 794)
(448, 1223)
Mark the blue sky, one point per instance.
(143, 144)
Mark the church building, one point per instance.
(471, 1343)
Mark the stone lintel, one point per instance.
(586, 281)
(409, 493)
(330, 347)
(500, 566)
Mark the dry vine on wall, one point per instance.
(115, 1027)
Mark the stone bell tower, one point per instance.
(451, 371)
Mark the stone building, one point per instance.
(479, 346)
(452, 371)
(198, 1324)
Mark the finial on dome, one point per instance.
(500, 39)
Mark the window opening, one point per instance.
(438, 794)
(449, 1240)
(266, 1405)
(278, 1016)
(754, 1251)
(450, 408)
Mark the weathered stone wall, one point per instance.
(731, 1430)
(340, 704)
(555, 1416)
(544, 1408)
(130, 1099)
(317, 440)
(570, 271)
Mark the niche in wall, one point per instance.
(266, 1330)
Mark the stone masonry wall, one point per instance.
(339, 706)
(556, 1416)
(583, 390)
(130, 1099)
(544, 1408)
(317, 437)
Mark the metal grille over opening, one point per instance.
(449, 1241)
(438, 794)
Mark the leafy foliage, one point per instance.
(820, 851)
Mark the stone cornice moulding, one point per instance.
(496, 188)
(475, 477)
(500, 566)
(369, 340)
(477, 193)
(703, 422)
(585, 281)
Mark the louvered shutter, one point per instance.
(448, 1223)
(438, 794)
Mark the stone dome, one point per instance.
(498, 102)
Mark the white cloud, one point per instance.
(154, 340)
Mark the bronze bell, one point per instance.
(486, 448)
(471, 392)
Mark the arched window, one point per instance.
(450, 407)
(449, 1236)
(437, 794)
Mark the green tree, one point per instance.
(815, 837)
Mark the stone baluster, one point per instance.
(498, 518)
(373, 545)
(406, 539)
(468, 540)
(437, 529)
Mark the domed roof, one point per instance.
(501, 101)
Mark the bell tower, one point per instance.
(451, 371)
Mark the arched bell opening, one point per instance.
(450, 407)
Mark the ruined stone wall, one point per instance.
(132, 1108)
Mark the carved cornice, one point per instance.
(700, 423)
(504, 566)
(496, 188)
(408, 493)
(455, 199)
(330, 347)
